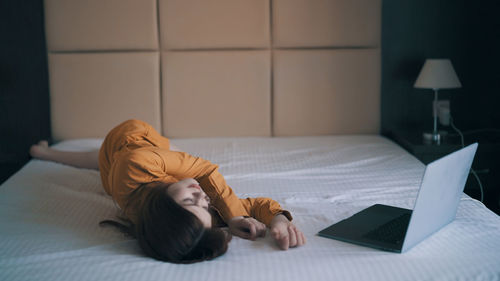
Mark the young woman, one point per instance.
(174, 203)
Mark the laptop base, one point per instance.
(363, 227)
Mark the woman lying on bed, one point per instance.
(174, 203)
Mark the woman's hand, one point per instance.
(285, 233)
(246, 227)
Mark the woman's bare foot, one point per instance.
(40, 150)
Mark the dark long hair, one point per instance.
(166, 231)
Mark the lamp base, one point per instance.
(432, 137)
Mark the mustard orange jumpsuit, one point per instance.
(134, 153)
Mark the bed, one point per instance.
(50, 215)
(284, 95)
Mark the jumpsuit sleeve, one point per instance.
(183, 165)
(264, 209)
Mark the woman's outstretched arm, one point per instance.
(86, 159)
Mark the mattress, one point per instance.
(49, 215)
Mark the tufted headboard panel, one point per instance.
(198, 68)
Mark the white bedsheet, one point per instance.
(49, 215)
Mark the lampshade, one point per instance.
(437, 74)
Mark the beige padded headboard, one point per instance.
(205, 68)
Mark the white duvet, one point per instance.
(49, 215)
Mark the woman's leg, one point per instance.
(87, 159)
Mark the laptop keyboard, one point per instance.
(391, 232)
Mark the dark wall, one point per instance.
(467, 32)
(24, 90)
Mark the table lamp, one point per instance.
(436, 74)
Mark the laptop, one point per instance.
(398, 230)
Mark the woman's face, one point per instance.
(188, 194)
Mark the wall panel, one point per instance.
(323, 92)
(85, 104)
(201, 24)
(73, 25)
(216, 93)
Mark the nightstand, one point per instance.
(486, 162)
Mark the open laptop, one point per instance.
(396, 229)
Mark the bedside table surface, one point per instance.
(413, 141)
